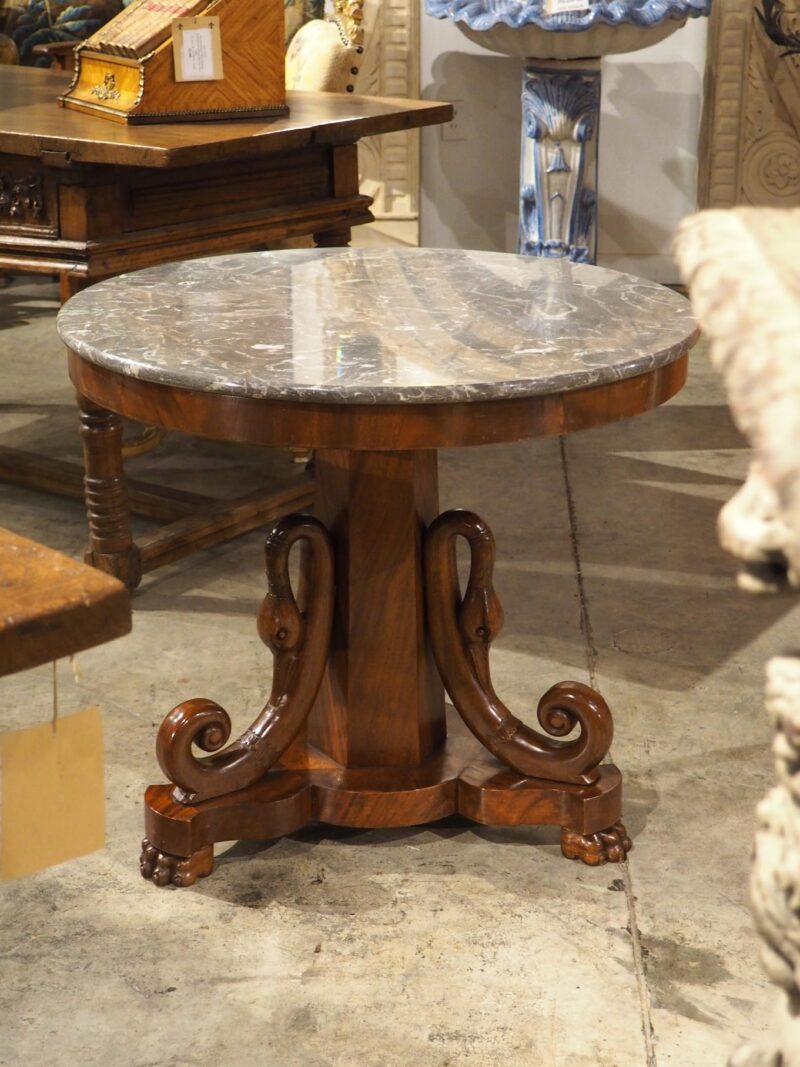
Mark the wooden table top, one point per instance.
(32, 123)
(52, 606)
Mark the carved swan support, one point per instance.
(461, 631)
(299, 644)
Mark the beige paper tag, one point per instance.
(52, 795)
(197, 48)
(561, 7)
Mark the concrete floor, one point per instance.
(450, 946)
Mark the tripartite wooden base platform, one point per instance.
(355, 732)
(461, 779)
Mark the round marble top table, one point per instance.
(375, 358)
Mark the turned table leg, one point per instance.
(111, 546)
(334, 238)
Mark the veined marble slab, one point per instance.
(378, 326)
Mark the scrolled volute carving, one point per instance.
(463, 628)
(299, 643)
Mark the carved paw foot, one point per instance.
(165, 869)
(607, 846)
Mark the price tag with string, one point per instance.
(52, 795)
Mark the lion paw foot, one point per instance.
(162, 868)
(607, 846)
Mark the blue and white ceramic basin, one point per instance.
(602, 27)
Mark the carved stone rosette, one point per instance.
(558, 178)
(741, 267)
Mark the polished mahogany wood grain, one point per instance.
(298, 640)
(462, 629)
(112, 548)
(375, 427)
(381, 702)
(376, 750)
(193, 521)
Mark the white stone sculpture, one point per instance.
(743, 272)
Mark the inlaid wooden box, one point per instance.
(144, 90)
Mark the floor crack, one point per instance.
(591, 667)
(586, 622)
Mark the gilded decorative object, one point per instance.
(108, 89)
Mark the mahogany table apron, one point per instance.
(88, 199)
(376, 359)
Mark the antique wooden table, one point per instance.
(88, 198)
(376, 359)
(51, 606)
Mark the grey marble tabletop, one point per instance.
(378, 326)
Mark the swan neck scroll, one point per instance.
(462, 630)
(299, 642)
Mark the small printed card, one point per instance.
(562, 7)
(197, 46)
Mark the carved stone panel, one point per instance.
(750, 145)
(390, 67)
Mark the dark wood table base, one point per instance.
(355, 731)
(462, 779)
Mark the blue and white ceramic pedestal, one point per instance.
(561, 98)
(558, 164)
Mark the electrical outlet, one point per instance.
(456, 128)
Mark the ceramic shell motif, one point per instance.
(485, 14)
